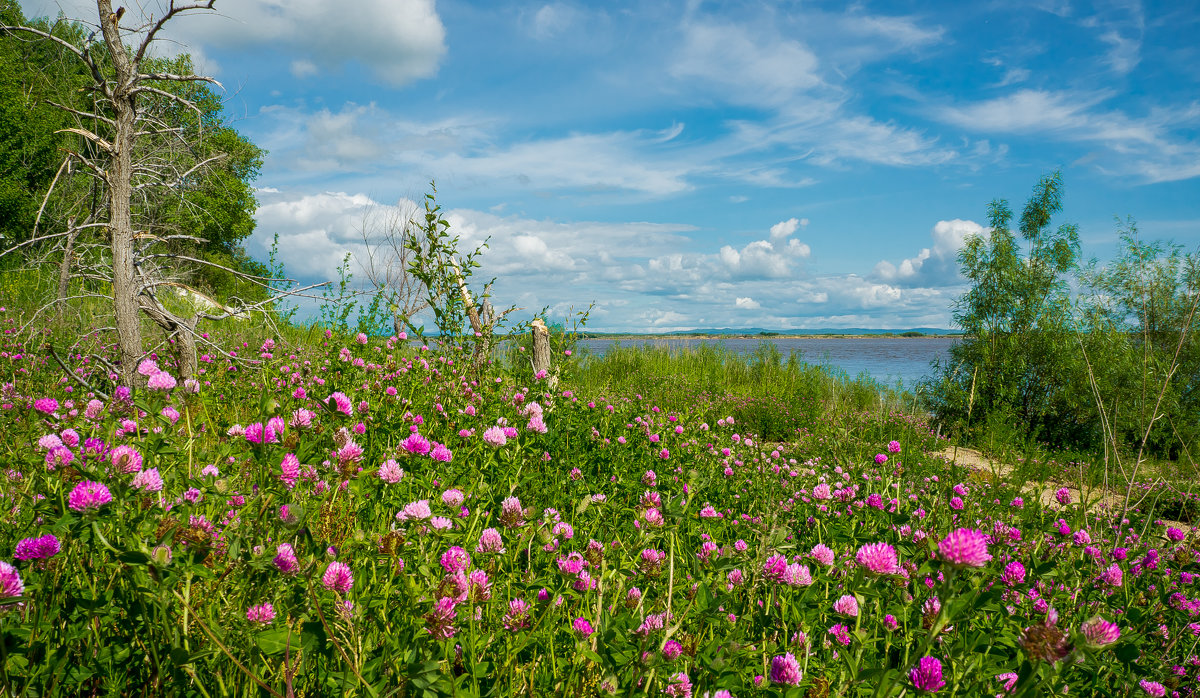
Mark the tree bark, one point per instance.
(64, 270)
(119, 178)
(541, 347)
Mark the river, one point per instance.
(889, 360)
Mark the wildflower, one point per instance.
(680, 686)
(148, 480)
(841, 633)
(391, 472)
(161, 381)
(441, 453)
(262, 614)
(965, 547)
(893, 447)
(342, 403)
(785, 670)
(46, 405)
(88, 495)
(878, 558)
(338, 578)
(1014, 573)
(823, 554)
(349, 453)
(452, 498)
(290, 470)
(1099, 632)
(517, 616)
(490, 542)
(10, 581)
(927, 675)
(583, 627)
(774, 568)
(455, 560)
(285, 559)
(1063, 495)
(1153, 688)
(511, 513)
(440, 620)
(889, 622)
(40, 548)
(1112, 575)
(797, 575)
(846, 605)
(1175, 534)
(415, 443)
(58, 456)
(415, 510)
(49, 441)
(481, 585)
(880, 459)
(125, 459)
(495, 436)
(1046, 642)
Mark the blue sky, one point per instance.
(709, 164)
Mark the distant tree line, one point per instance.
(1072, 354)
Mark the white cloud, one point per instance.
(1155, 147)
(398, 40)
(743, 66)
(635, 271)
(552, 19)
(903, 31)
(933, 266)
(304, 68)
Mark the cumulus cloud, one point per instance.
(936, 265)
(635, 272)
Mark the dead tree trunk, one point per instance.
(119, 179)
(64, 269)
(541, 348)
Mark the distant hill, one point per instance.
(763, 332)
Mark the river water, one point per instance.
(889, 360)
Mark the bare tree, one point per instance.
(138, 148)
(387, 234)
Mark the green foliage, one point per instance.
(338, 303)
(1145, 355)
(1016, 361)
(151, 593)
(215, 202)
(1119, 365)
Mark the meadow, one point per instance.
(321, 515)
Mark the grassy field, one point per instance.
(317, 515)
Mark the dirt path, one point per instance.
(970, 458)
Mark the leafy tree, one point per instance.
(1016, 361)
(1143, 306)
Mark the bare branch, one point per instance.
(167, 95)
(72, 374)
(83, 114)
(172, 10)
(30, 241)
(179, 180)
(108, 147)
(180, 78)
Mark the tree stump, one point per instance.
(541, 350)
